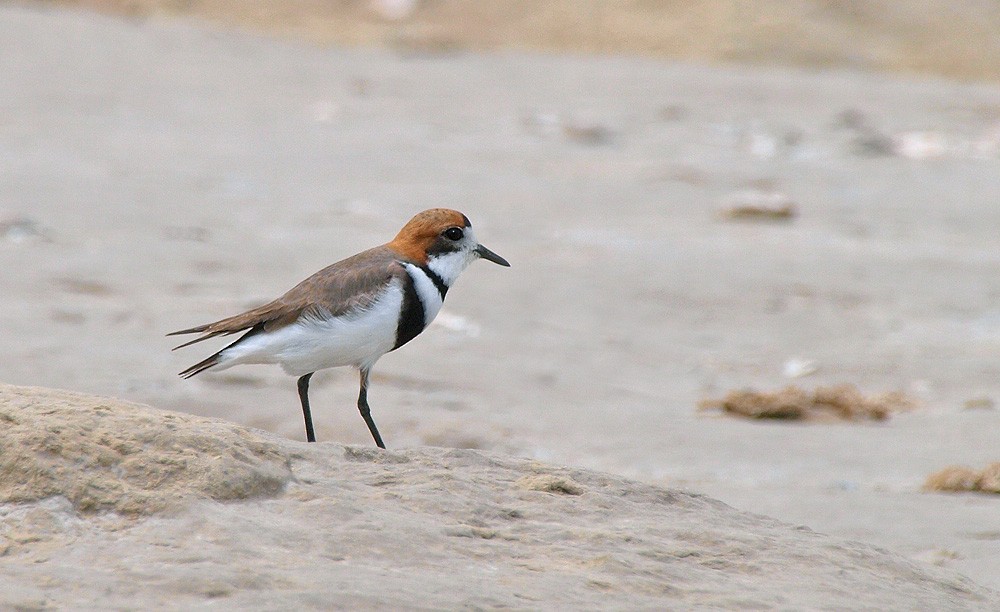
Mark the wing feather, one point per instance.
(338, 289)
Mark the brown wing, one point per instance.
(345, 286)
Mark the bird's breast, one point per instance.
(422, 300)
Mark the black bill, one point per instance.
(489, 255)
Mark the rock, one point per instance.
(111, 455)
(255, 521)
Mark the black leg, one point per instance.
(366, 412)
(304, 398)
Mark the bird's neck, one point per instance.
(447, 266)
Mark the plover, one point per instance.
(354, 311)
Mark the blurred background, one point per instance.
(696, 198)
(956, 39)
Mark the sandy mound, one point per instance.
(359, 527)
(110, 455)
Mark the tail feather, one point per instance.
(268, 314)
(215, 359)
(191, 330)
(201, 366)
(198, 339)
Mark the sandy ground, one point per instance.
(114, 505)
(158, 175)
(955, 38)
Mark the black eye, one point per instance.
(453, 233)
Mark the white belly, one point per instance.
(316, 343)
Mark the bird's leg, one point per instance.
(366, 412)
(304, 398)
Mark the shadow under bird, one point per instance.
(354, 311)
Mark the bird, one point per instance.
(354, 311)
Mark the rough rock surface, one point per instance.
(109, 504)
(110, 455)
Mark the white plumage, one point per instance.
(316, 342)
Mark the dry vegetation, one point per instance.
(841, 402)
(931, 36)
(962, 478)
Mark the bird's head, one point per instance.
(443, 240)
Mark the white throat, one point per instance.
(449, 265)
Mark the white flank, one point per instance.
(316, 342)
(427, 291)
